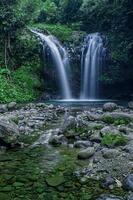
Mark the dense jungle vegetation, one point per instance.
(21, 76)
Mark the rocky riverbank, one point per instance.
(97, 143)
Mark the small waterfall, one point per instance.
(93, 54)
(60, 58)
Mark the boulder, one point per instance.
(69, 123)
(109, 107)
(110, 153)
(3, 108)
(121, 115)
(87, 153)
(12, 105)
(82, 144)
(8, 131)
(95, 137)
(93, 116)
(109, 130)
(128, 182)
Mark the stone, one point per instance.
(121, 115)
(47, 136)
(95, 137)
(82, 144)
(3, 108)
(8, 131)
(130, 104)
(21, 117)
(93, 117)
(55, 180)
(69, 123)
(109, 107)
(57, 140)
(125, 130)
(128, 182)
(12, 105)
(87, 153)
(109, 197)
(22, 129)
(110, 153)
(109, 130)
(107, 182)
(51, 106)
(130, 196)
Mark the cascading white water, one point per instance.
(60, 59)
(93, 54)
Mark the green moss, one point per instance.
(108, 119)
(111, 140)
(121, 121)
(97, 127)
(115, 121)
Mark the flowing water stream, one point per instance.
(92, 60)
(93, 54)
(60, 58)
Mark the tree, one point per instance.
(69, 10)
(48, 12)
(10, 21)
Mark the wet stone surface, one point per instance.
(66, 153)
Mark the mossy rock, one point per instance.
(108, 119)
(121, 121)
(55, 180)
(116, 121)
(111, 140)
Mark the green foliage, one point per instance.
(22, 86)
(112, 140)
(50, 8)
(69, 10)
(60, 31)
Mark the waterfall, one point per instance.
(93, 54)
(60, 58)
